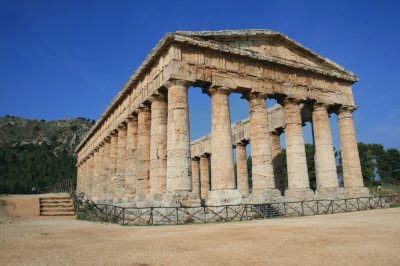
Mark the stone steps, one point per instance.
(56, 206)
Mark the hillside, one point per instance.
(37, 153)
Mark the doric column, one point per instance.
(261, 154)
(353, 180)
(222, 166)
(121, 162)
(158, 144)
(325, 163)
(89, 183)
(131, 163)
(195, 176)
(277, 161)
(178, 140)
(105, 172)
(242, 171)
(79, 177)
(84, 173)
(143, 152)
(298, 182)
(97, 162)
(112, 166)
(204, 175)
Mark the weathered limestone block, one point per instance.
(105, 172)
(112, 167)
(131, 164)
(204, 176)
(98, 173)
(158, 144)
(353, 181)
(179, 177)
(222, 166)
(89, 179)
(298, 182)
(143, 153)
(195, 176)
(242, 171)
(261, 154)
(121, 164)
(280, 182)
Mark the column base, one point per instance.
(117, 200)
(223, 197)
(330, 193)
(299, 194)
(262, 196)
(245, 193)
(357, 192)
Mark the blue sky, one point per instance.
(64, 59)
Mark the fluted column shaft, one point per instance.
(89, 184)
(131, 158)
(262, 169)
(242, 171)
(143, 152)
(222, 165)
(277, 161)
(121, 162)
(112, 166)
(179, 177)
(79, 178)
(295, 149)
(84, 175)
(195, 176)
(325, 163)
(349, 150)
(205, 176)
(105, 170)
(95, 179)
(99, 173)
(158, 144)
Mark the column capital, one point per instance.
(177, 83)
(122, 126)
(113, 133)
(345, 109)
(243, 142)
(195, 158)
(142, 109)
(213, 89)
(289, 100)
(131, 118)
(205, 155)
(158, 96)
(277, 131)
(254, 95)
(319, 105)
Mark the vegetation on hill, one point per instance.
(38, 153)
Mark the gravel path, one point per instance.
(357, 238)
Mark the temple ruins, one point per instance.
(139, 152)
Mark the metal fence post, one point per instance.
(123, 216)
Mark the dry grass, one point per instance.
(358, 238)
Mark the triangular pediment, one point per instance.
(269, 44)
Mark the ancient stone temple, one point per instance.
(139, 152)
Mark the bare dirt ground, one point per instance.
(357, 238)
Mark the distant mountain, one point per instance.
(38, 153)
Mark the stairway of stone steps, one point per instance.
(56, 206)
(267, 211)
